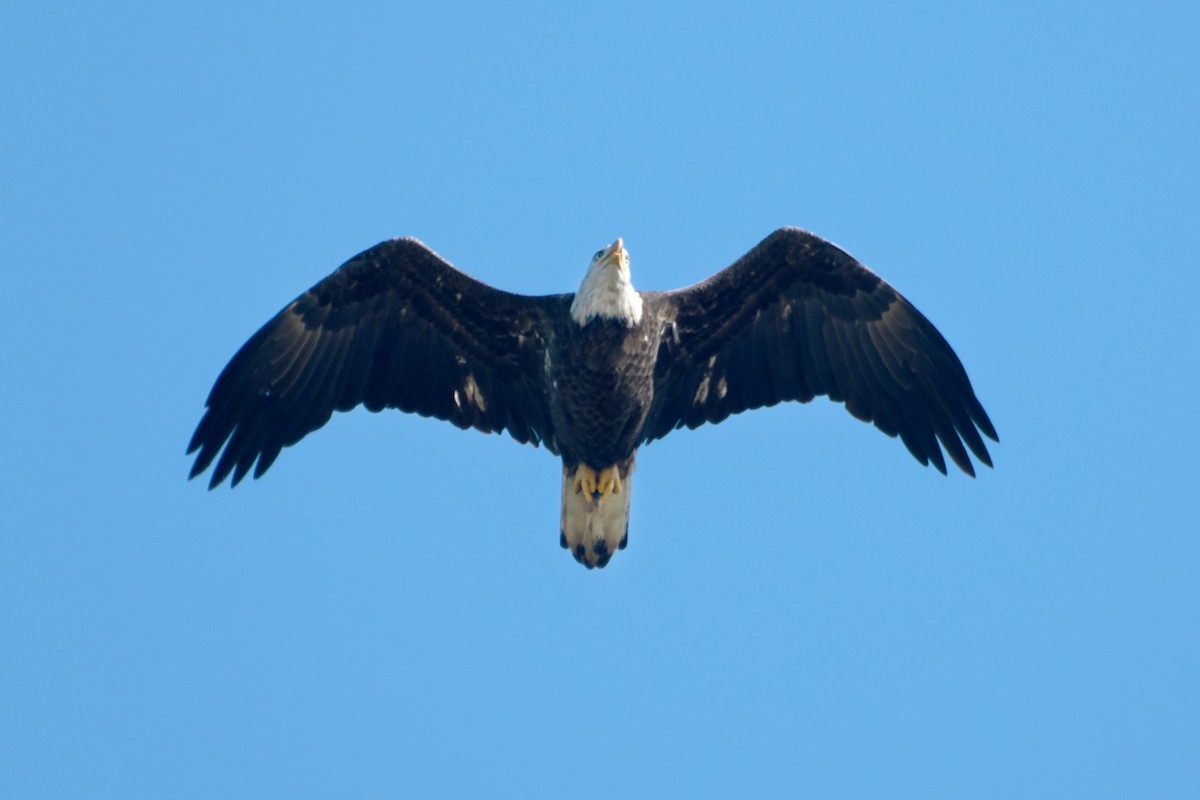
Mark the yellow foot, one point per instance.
(585, 480)
(597, 487)
(609, 481)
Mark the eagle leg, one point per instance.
(609, 481)
(597, 486)
(585, 481)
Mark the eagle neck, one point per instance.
(607, 293)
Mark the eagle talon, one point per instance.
(597, 486)
(609, 481)
(585, 481)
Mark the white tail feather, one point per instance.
(594, 529)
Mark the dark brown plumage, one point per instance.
(594, 375)
(798, 317)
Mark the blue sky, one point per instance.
(802, 609)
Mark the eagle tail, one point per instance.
(595, 511)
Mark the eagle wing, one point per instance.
(396, 326)
(798, 317)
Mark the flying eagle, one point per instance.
(595, 374)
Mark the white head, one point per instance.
(606, 291)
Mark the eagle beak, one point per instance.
(619, 253)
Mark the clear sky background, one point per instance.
(803, 610)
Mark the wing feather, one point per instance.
(396, 326)
(798, 317)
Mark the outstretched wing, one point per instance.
(394, 327)
(798, 317)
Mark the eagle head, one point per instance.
(607, 291)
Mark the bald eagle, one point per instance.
(595, 374)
